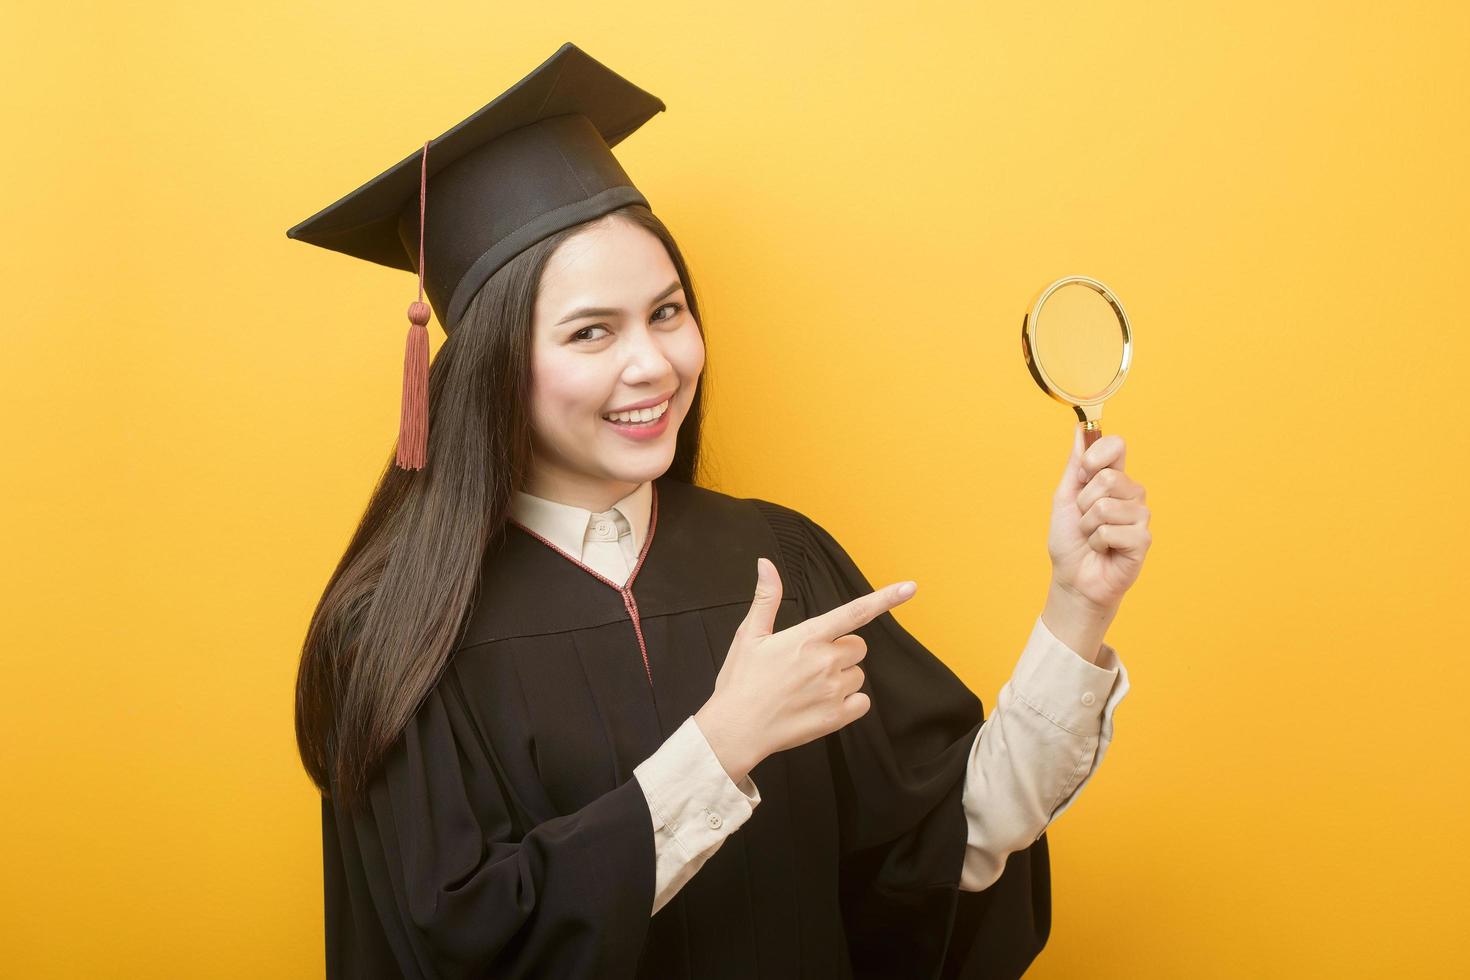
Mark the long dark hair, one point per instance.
(393, 611)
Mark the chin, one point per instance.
(649, 467)
(643, 472)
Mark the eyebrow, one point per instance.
(673, 287)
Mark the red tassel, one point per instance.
(413, 423)
(413, 419)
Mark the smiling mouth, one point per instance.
(635, 419)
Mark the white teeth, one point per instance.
(640, 414)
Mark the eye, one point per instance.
(579, 333)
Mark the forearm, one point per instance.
(693, 805)
(1040, 744)
(1076, 622)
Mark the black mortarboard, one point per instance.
(535, 160)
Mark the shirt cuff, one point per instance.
(1105, 738)
(690, 795)
(1065, 687)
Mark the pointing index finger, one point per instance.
(859, 612)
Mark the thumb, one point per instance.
(761, 618)
(1071, 483)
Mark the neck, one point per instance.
(578, 489)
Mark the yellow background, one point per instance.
(869, 195)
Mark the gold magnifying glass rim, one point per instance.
(1033, 363)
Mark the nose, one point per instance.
(646, 361)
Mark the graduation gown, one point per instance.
(506, 836)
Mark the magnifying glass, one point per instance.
(1078, 345)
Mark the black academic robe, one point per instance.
(506, 836)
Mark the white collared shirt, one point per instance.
(607, 541)
(1040, 744)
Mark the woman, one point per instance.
(573, 715)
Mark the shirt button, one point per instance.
(601, 527)
(715, 821)
(1088, 698)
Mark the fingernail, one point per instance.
(907, 589)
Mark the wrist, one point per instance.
(1076, 621)
(731, 750)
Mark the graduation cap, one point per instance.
(535, 160)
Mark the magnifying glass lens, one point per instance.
(1079, 340)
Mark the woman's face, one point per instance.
(611, 329)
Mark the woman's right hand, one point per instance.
(780, 690)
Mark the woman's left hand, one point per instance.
(1099, 524)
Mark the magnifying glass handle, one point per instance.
(1091, 432)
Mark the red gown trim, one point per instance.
(626, 589)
